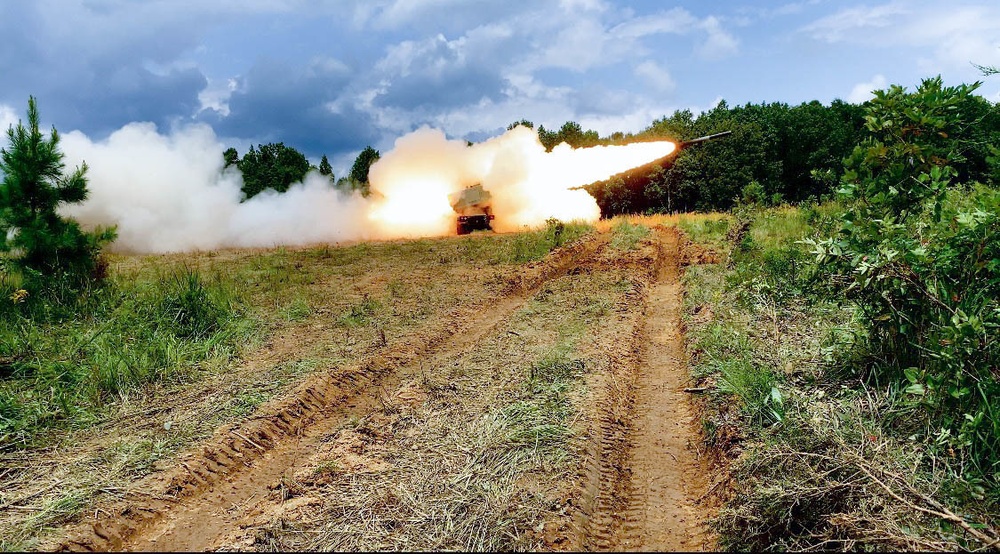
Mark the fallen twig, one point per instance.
(252, 443)
(939, 510)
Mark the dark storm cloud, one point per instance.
(93, 68)
(300, 106)
(117, 97)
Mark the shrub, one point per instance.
(923, 265)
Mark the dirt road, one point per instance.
(449, 436)
(649, 476)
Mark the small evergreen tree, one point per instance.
(271, 165)
(358, 179)
(522, 123)
(325, 169)
(43, 247)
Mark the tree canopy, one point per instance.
(324, 167)
(364, 161)
(269, 166)
(785, 153)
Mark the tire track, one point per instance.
(642, 480)
(185, 507)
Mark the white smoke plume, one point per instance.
(170, 193)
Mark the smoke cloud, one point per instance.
(171, 193)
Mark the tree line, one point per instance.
(777, 153)
(276, 166)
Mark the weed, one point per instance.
(122, 338)
(190, 309)
(296, 310)
(532, 245)
(756, 388)
(826, 435)
(59, 510)
(395, 288)
(326, 467)
(626, 236)
(361, 313)
(248, 401)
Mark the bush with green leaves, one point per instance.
(919, 254)
(269, 166)
(40, 251)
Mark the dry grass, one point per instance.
(303, 299)
(481, 453)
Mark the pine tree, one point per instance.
(43, 247)
(325, 168)
(231, 156)
(273, 166)
(364, 161)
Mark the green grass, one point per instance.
(790, 402)
(626, 236)
(362, 313)
(705, 230)
(534, 245)
(61, 368)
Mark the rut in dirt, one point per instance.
(190, 506)
(646, 476)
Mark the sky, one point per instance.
(331, 77)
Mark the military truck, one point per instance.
(473, 208)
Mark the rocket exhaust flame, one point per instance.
(528, 185)
(171, 194)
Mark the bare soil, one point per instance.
(443, 435)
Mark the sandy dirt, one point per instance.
(648, 477)
(395, 448)
(667, 473)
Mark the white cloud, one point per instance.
(718, 42)
(215, 96)
(582, 41)
(862, 92)
(8, 117)
(402, 11)
(586, 5)
(939, 35)
(655, 75)
(847, 23)
(676, 21)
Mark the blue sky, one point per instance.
(329, 77)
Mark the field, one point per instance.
(663, 382)
(513, 391)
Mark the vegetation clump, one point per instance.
(858, 340)
(919, 254)
(41, 252)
